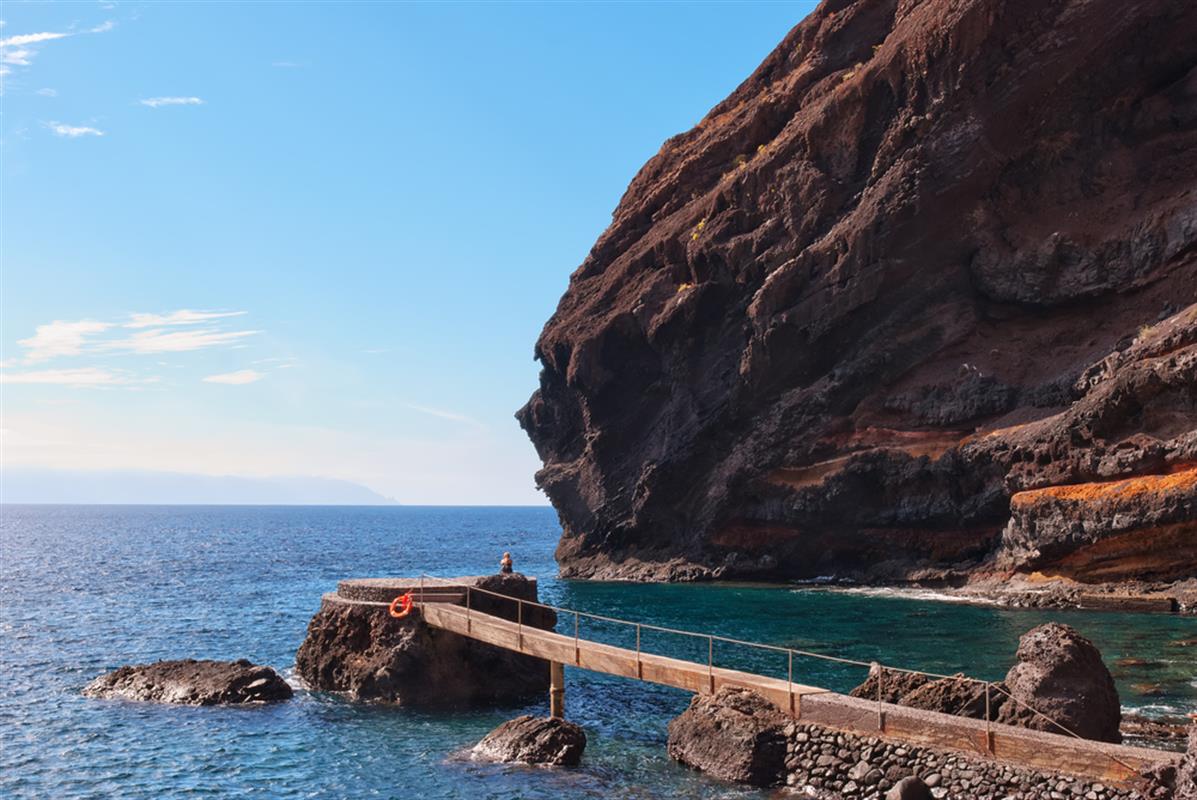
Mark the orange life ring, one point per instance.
(404, 604)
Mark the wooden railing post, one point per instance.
(469, 622)
(639, 666)
(556, 689)
(577, 648)
(790, 680)
(711, 662)
(519, 614)
(988, 723)
(880, 682)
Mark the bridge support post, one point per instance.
(556, 689)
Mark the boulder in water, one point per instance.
(534, 740)
(355, 647)
(191, 682)
(1061, 675)
(734, 734)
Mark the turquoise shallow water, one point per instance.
(85, 589)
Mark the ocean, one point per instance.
(85, 589)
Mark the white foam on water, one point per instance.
(907, 593)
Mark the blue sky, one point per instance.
(320, 239)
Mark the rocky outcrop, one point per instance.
(1061, 675)
(929, 264)
(534, 740)
(193, 683)
(909, 788)
(353, 646)
(1186, 776)
(735, 734)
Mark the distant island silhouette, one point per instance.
(132, 487)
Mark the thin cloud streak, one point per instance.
(31, 38)
(16, 50)
(183, 316)
(79, 377)
(170, 332)
(452, 416)
(73, 131)
(160, 341)
(60, 338)
(158, 102)
(238, 378)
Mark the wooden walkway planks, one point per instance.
(1016, 746)
(606, 658)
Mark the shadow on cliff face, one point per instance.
(928, 258)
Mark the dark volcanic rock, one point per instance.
(735, 734)
(929, 256)
(534, 740)
(362, 651)
(960, 696)
(894, 685)
(909, 788)
(1061, 674)
(193, 683)
(1186, 776)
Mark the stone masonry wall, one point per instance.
(825, 764)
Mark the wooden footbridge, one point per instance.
(454, 605)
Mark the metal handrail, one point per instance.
(790, 651)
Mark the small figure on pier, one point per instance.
(505, 564)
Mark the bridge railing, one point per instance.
(873, 667)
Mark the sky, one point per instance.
(309, 239)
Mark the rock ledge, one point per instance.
(534, 740)
(191, 682)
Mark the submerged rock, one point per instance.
(1061, 675)
(192, 682)
(734, 734)
(358, 649)
(534, 740)
(917, 296)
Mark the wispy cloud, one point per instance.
(158, 340)
(31, 38)
(82, 376)
(60, 338)
(18, 56)
(19, 50)
(158, 102)
(48, 92)
(285, 64)
(238, 378)
(170, 332)
(73, 131)
(183, 316)
(441, 413)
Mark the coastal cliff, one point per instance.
(918, 301)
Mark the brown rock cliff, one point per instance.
(930, 262)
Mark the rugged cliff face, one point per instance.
(916, 300)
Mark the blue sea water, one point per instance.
(86, 589)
